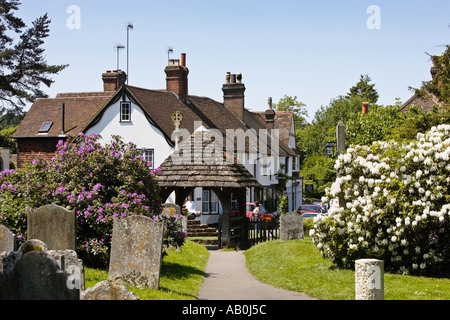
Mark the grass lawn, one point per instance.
(181, 275)
(297, 265)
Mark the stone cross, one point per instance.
(177, 117)
(291, 226)
(136, 251)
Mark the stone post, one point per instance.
(369, 279)
(340, 138)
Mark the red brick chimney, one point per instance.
(233, 94)
(113, 80)
(177, 77)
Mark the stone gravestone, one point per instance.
(32, 273)
(174, 211)
(291, 226)
(7, 240)
(136, 251)
(53, 225)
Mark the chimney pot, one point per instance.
(227, 77)
(365, 106)
(239, 77)
(183, 59)
(233, 78)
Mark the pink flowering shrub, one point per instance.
(99, 182)
(394, 206)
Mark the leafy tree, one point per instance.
(318, 171)
(386, 123)
(312, 138)
(364, 89)
(23, 67)
(288, 103)
(439, 86)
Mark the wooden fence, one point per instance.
(262, 230)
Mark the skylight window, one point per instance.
(45, 127)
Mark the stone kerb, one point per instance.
(54, 225)
(32, 273)
(136, 251)
(291, 226)
(369, 279)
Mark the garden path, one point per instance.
(227, 278)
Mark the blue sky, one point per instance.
(315, 50)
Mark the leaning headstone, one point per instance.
(31, 273)
(108, 290)
(7, 240)
(136, 251)
(291, 226)
(369, 279)
(53, 225)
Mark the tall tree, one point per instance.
(23, 67)
(439, 86)
(288, 103)
(364, 89)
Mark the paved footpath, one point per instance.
(227, 278)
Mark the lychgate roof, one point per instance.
(204, 165)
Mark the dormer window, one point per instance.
(125, 111)
(45, 127)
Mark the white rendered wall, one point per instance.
(138, 130)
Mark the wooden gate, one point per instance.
(244, 232)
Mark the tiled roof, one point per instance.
(427, 102)
(282, 122)
(220, 170)
(80, 109)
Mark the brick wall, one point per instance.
(29, 148)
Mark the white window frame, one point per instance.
(149, 156)
(125, 111)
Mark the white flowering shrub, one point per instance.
(391, 202)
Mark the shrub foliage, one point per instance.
(391, 201)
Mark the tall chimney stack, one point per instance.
(270, 113)
(177, 77)
(233, 94)
(113, 80)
